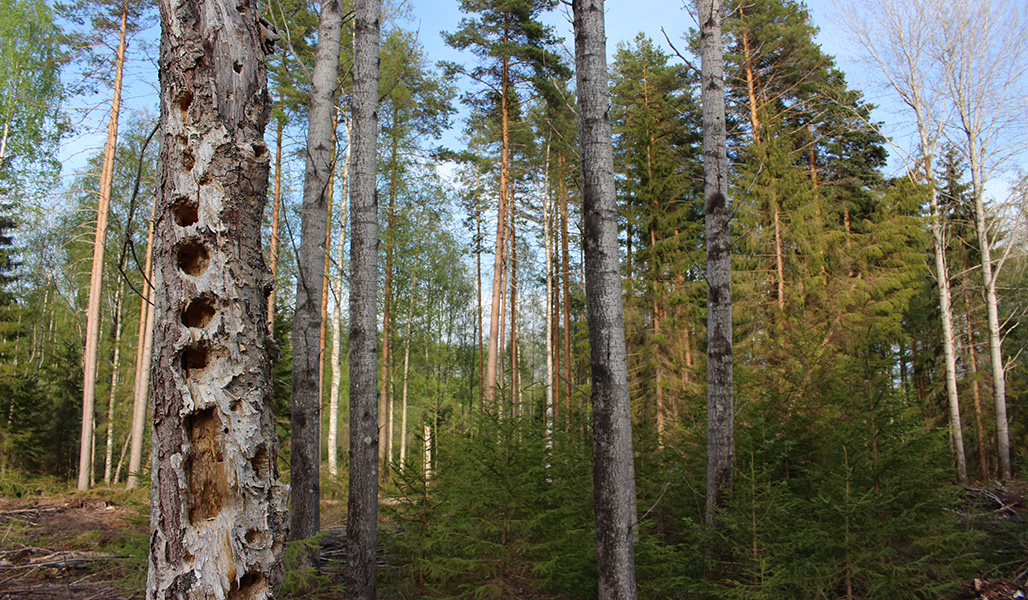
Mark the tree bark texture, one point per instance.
(720, 435)
(90, 357)
(613, 469)
(362, 504)
(305, 445)
(218, 513)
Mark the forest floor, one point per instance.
(90, 547)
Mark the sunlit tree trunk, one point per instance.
(144, 355)
(218, 510)
(90, 356)
(501, 241)
(276, 205)
(337, 331)
(115, 380)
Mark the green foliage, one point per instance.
(503, 512)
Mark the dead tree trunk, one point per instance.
(218, 513)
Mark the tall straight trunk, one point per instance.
(550, 346)
(501, 241)
(751, 78)
(276, 207)
(946, 315)
(144, 356)
(337, 331)
(989, 277)
(305, 446)
(720, 427)
(115, 380)
(613, 470)
(513, 311)
(90, 356)
(385, 439)
(972, 362)
(327, 271)
(217, 509)
(945, 302)
(478, 288)
(565, 267)
(362, 505)
(406, 372)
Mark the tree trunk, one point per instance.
(384, 412)
(406, 372)
(956, 433)
(115, 379)
(720, 436)
(501, 241)
(218, 511)
(144, 356)
(90, 355)
(972, 363)
(613, 470)
(305, 446)
(337, 332)
(276, 206)
(565, 267)
(362, 505)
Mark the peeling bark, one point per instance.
(218, 514)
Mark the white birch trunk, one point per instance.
(337, 331)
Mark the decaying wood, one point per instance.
(218, 515)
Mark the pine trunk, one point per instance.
(276, 207)
(90, 356)
(501, 241)
(218, 511)
(613, 470)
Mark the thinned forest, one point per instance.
(317, 315)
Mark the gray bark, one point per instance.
(305, 419)
(720, 435)
(217, 509)
(613, 470)
(362, 505)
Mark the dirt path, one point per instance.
(73, 548)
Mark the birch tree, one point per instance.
(218, 519)
(613, 469)
(984, 63)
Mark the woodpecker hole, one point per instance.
(199, 312)
(193, 258)
(205, 468)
